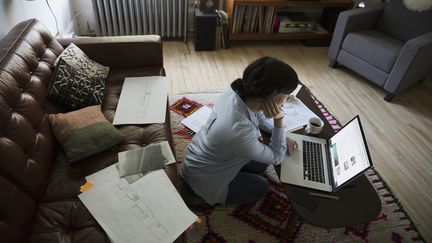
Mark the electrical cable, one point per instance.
(55, 19)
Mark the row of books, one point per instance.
(253, 19)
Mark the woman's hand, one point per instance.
(291, 145)
(272, 110)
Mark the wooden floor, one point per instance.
(399, 134)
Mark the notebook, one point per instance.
(327, 165)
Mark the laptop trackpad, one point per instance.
(295, 157)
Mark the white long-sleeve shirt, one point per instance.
(229, 140)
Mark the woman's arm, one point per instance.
(265, 124)
(247, 144)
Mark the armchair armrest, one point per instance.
(121, 51)
(352, 20)
(412, 64)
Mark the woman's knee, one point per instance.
(255, 167)
(247, 188)
(261, 185)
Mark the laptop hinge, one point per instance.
(329, 165)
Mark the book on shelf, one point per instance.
(223, 23)
(241, 18)
(290, 22)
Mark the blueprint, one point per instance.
(151, 157)
(148, 210)
(142, 100)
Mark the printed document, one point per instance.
(197, 120)
(296, 115)
(151, 157)
(148, 210)
(142, 100)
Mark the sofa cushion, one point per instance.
(74, 88)
(66, 221)
(27, 54)
(137, 136)
(374, 48)
(75, 57)
(84, 132)
(63, 182)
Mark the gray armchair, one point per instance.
(387, 44)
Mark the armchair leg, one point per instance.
(389, 97)
(333, 63)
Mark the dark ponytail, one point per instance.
(265, 77)
(237, 86)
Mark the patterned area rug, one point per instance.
(265, 220)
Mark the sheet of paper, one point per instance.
(142, 101)
(295, 92)
(151, 157)
(149, 210)
(197, 119)
(296, 115)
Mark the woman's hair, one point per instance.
(264, 77)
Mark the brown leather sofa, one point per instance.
(38, 186)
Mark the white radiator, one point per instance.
(167, 18)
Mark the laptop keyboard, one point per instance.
(313, 166)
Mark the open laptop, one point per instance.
(327, 165)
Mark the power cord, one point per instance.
(55, 19)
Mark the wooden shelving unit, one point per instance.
(317, 32)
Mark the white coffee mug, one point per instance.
(314, 125)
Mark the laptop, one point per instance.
(327, 165)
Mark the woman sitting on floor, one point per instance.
(226, 159)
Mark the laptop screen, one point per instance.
(348, 152)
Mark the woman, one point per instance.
(225, 160)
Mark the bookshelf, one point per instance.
(255, 19)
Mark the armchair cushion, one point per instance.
(353, 20)
(403, 24)
(374, 47)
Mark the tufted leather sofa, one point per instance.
(38, 187)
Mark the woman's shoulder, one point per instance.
(227, 93)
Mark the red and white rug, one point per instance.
(265, 220)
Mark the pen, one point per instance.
(323, 196)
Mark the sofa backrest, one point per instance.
(27, 54)
(403, 24)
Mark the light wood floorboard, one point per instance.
(399, 134)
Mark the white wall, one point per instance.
(14, 11)
(72, 15)
(83, 14)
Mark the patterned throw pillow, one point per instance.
(74, 88)
(76, 58)
(84, 132)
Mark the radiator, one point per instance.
(167, 18)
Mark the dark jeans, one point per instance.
(249, 185)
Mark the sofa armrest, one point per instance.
(121, 51)
(352, 20)
(412, 64)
